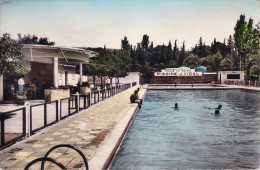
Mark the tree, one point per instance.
(11, 59)
(112, 65)
(175, 51)
(212, 61)
(145, 43)
(191, 60)
(28, 39)
(125, 44)
(246, 39)
(225, 64)
(182, 55)
(169, 52)
(201, 50)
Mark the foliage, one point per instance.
(33, 39)
(246, 38)
(191, 60)
(212, 61)
(125, 44)
(255, 71)
(11, 59)
(225, 64)
(109, 64)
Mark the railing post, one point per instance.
(98, 95)
(28, 117)
(77, 102)
(58, 110)
(89, 99)
(24, 122)
(2, 132)
(45, 114)
(69, 107)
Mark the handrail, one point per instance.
(46, 158)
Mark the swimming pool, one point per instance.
(193, 137)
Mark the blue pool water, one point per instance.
(193, 137)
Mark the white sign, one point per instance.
(184, 71)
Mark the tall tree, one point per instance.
(169, 52)
(125, 44)
(145, 43)
(182, 55)
(175, 51)
(245, 39)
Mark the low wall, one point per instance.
(205, 78)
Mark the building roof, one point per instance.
(66, 55)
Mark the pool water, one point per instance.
(193, 137)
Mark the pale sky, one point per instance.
(95, 23)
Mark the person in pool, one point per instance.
(176, 106)
(217, 112)
(219, 107)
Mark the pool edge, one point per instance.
(106, 152)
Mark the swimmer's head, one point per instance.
(176, 104)
(219, 106)
(217, 112)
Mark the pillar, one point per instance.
(55, 72)
(80, 73)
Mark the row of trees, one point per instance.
(108, 64)
(240, 52)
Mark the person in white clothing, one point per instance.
(20, 84)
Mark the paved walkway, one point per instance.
(86, 131)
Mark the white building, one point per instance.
(55, 63)
(230, 76)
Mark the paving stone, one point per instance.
(98, 121)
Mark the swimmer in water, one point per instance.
(217, 112)
(176, 106)
(219, 107)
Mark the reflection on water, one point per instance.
(192, 137)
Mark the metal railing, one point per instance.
(243, 83)
(13, 126)
(26, 121)
(43, 115)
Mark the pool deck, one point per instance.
(97, 132)
(200, 87)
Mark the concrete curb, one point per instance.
(107, 151)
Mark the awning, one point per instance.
(66, 55)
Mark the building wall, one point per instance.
(222, 76)
(205, 78)
(131, 77)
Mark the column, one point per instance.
(80, 73)
(55, 72)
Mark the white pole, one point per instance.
(55, 72)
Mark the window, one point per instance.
(233, 76)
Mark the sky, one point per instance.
(95, 23)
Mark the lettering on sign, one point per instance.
(178, 72)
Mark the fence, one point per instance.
(243, 83)
(26, 121)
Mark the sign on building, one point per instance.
(182, 71)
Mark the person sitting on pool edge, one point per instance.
(176, 106)
(137, 96)
(133, 99)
